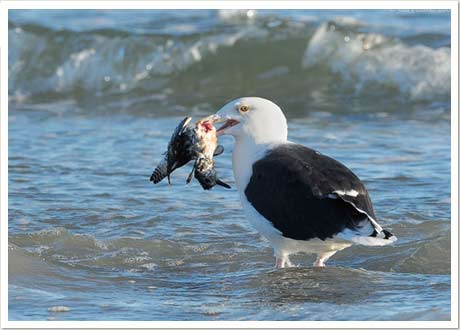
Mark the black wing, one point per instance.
(293, 187)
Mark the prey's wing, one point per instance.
(168, 163)
(179, 129)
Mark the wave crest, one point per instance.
(62, 63)
(421, 72)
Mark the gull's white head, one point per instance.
(253, 118)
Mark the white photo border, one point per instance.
(191, 4)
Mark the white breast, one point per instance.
(245, 154)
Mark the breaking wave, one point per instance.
(57, 61)
(363, 58)
(107, 61)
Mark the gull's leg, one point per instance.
(280, 262)
(288, 262)
(322, 258)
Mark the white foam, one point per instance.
(418, 71)
(348, 20)
(150, 266)
(58, 309)
(89, 65)
(237, 14)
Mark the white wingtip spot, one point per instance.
(352, 193)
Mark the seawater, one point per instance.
(93, 98)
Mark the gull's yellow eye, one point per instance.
(244, 108)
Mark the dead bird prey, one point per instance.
(188, 143)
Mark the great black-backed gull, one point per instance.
(297, 198)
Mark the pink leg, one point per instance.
(322, 258)
(283, 261)
(280, 262)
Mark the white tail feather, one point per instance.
(359, 238)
